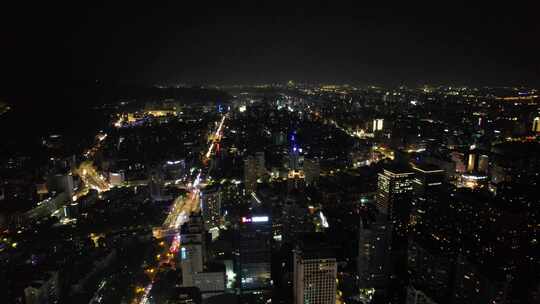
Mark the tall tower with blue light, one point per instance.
(294, 153)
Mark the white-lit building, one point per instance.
(471, 162)
(211, 207)
(192, 249)
(191, 261)
(536, 124)
(117, 178)
(391, 185)
(314, 278)
(378, 124)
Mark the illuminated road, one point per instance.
(91, 178)
(179, 213)
(183, 206)
(216, 137)
(89, 175)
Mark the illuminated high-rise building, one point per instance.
(315, 273)
(231, 194)
(294, 159)
(117, 178)
(483, 164)
(191, 244)
(394, 189)
(191, 257)
(294, 154)
(536, 124)
(378, 124)
(394, 201)
(250, 174)
(426, 177)
(471, 162)
(211, 207)
(254, 169)
(254, 253)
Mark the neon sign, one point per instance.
(255, 219)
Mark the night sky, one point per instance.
(68, 45)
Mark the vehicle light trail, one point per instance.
(91, 177)
(217, 137)
(144, 298)
(179, 213)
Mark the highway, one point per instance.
(216, 137)
(179, 213)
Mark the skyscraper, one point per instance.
(294, 159)
(394, 195)
(536, 124)
(312, 170)
(250, 174)
(471, 162)
(483, 164)
(394, 189)
(315, 273)
(294, 153)
(261, 166)
(378, 124)
(192, 249)
(211, 207)
(254, 248)
(426, 177)
(373, 244)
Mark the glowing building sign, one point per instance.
(255, 219)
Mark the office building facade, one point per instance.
(315, 274)
(254, 253)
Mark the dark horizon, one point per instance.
(71, 46)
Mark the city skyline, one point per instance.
(267, 152)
